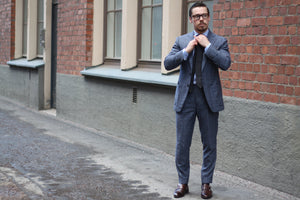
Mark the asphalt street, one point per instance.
(44, 157)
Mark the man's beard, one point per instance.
(202, 28)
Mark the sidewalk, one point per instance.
(135, 163)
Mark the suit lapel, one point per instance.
(210, 37)
(190, 36)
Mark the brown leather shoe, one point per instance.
(181, 190)
(206, 192)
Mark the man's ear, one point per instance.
(190, 20)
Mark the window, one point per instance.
(189, 27)
(40, 26)
(114, 29)
(24, 37)
(29, 27)
(151, 33)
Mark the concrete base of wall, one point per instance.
(256, 141)
(25, 85)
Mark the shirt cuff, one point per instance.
(185, 54)
(207, 47)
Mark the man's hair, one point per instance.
(198, 4)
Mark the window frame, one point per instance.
(38, 38)
(147, 63)
(110, 60)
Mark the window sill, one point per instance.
(23, 62)
(134, 75)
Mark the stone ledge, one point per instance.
(23, 62)
(132, 75)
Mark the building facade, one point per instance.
(100, 63)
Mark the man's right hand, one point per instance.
(190, 47)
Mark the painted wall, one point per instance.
(257, 141)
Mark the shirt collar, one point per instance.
(205, 33)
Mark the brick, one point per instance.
(281, 69)
(256, 86)
(264, 40)
(265, 12)
(248, 76)
(242, 85)
(282, 50)
(249, 40)
(288, 100)
(292, 10)
(235, 40)
(293, 50)
(227, 92)
(264, 68)
(234, 31)
(273, 30)
(292, 30)
(259, 21)
(226, 83)
(289, 70)
(229, 22)
(292, 80)
(244, 22)
(264, 77)
(218, 7)
(255, 96)
(248, 85)
(284, 2)
(264, 49)
(283, 11)
(255, 58)
(291, 20)
(234, 84)
(218, 23)
(297, 71)
(297, 91)
(251, 4)
(249, 13)
(256, 68)
(271, 98)
(295, 40)
(236, 14)
(290, 60)
(236, 5)
(272, 59)
(282, 40)
(282, 30)
(280, 89)
(241, 94)
(289, 90)
(273, 21)
(241, 58)
(280, 79)
(268, 3)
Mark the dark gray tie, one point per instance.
(198, 64)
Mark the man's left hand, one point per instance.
(202, 40)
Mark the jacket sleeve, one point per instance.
(175, 57)
(220, 55)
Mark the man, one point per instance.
(200, 53)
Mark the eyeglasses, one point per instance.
(197, 17)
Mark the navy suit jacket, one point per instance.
(217, 56)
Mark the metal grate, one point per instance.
(134, 95)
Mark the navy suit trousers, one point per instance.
(194, 106)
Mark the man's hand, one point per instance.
(190, 47)
(202, 40)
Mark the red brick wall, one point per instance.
(74, 35)
(264, 39)
(7, 30)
